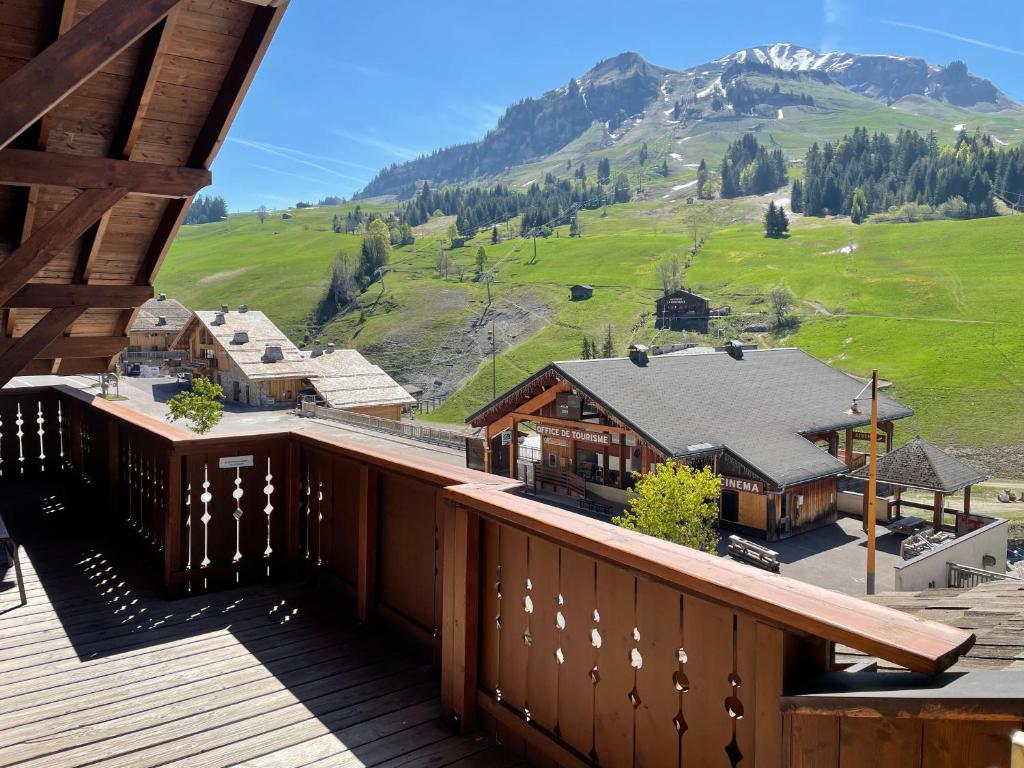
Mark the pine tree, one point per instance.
(643, 154)
(859, 206)
(604, 171)
(702, 180)
(664, 167)
(796, 196)
(585, 352)
(494, 235)
(608, 350)
(771, 221)
(781, 221)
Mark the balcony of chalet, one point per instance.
(286, 599)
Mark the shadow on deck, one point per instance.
(98, 669)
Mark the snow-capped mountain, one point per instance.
(880, 76)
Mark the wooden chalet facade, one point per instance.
(256, 364)
(601, 420)
(683, 309)
(157, 326)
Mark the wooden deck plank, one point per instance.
(99, 670)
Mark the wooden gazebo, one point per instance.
(924, 467)
(111, 113)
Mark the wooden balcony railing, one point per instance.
(576, 643)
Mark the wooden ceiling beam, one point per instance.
(73, 346)
(60, 232)
(244, 65)
(54, 296)
(73, 58)
(22, 167)
(154, 46)
(24, 349)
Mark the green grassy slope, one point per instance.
(932, 305)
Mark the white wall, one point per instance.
(928, 570)
(852, 503)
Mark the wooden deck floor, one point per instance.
(99, 670)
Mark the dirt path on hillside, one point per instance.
(442, 368)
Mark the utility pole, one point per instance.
(494, 364)
(534, 245)
(872, 483)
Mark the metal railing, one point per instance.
(967, 577)
(435, 435)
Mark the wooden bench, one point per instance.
(590, 505)
(11, 546)
(754, 554)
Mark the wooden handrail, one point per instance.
(918, 645)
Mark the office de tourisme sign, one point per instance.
(574, 434)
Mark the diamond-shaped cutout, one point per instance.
(733, 751)
(595, 678)
(634, 698)
(206, 518)
(681, 682)
(734, 707)
(527, 637)
(680, 724)
(237, 514)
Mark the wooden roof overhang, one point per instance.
(111, 113)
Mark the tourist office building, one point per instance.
(776, 424)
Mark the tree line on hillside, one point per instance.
(542, 206)
(205, 209)
(750, 169)
(864, 174)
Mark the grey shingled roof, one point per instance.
(919, 465)
(148, 318)
(757, 408)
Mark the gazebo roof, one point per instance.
(920, 465)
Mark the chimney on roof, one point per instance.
(734, 349)
(162, 320)
(243, 308)
(317, 349)
(162, 297)
(330, 348)
(273, 353)
(638, 354)
(219, 319)
(241, 337)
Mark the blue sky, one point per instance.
(348, 88)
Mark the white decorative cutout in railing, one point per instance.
(21, 449)
(268, 510)
(237, 495)
(41, 432)
(206, 498)
(188, 527)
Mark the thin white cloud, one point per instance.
(381, 145)
(303, 177)
(298, 156)
(952, 36)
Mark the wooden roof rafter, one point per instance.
(70, 89)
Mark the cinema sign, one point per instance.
(742, 484)
(574, 434)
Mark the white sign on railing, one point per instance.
(235, 462)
